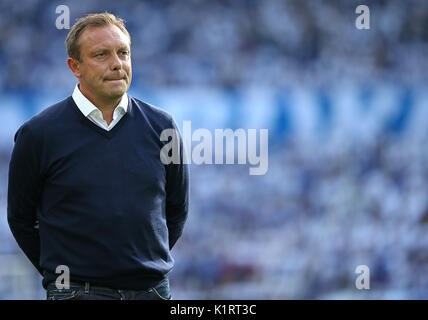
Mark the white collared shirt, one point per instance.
(94, 114)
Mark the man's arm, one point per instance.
(24, 190)
(177, 194)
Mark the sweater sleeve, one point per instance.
(24, 191)
(177, 194)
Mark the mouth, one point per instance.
(116, 77)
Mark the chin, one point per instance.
(116, 92)
(116, 95)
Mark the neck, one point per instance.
(106, 106)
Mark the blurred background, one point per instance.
(347, 114)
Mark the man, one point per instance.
(88, 192)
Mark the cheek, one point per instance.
(96, 72)
(128, 67)
(129, 71)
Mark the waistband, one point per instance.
(86, 286)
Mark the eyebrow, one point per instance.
(98, 50)
(103, 49)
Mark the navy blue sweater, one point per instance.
(100, 202)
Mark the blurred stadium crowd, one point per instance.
(348, 190)
(227, 42)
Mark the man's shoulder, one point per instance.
(47, 117)
(153, 113)
(51, 113)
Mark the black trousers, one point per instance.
(85, 291)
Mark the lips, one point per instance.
(113, 78)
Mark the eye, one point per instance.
(124, 52)
(100, 55)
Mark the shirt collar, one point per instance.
(86, 106)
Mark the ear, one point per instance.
(74, 66)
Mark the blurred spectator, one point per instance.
(227, 42)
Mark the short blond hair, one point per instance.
(91, 20)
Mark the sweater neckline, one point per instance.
(100, 130)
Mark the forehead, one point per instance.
(105, 36)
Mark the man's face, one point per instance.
(104, 70)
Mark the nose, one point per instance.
(116, 63)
